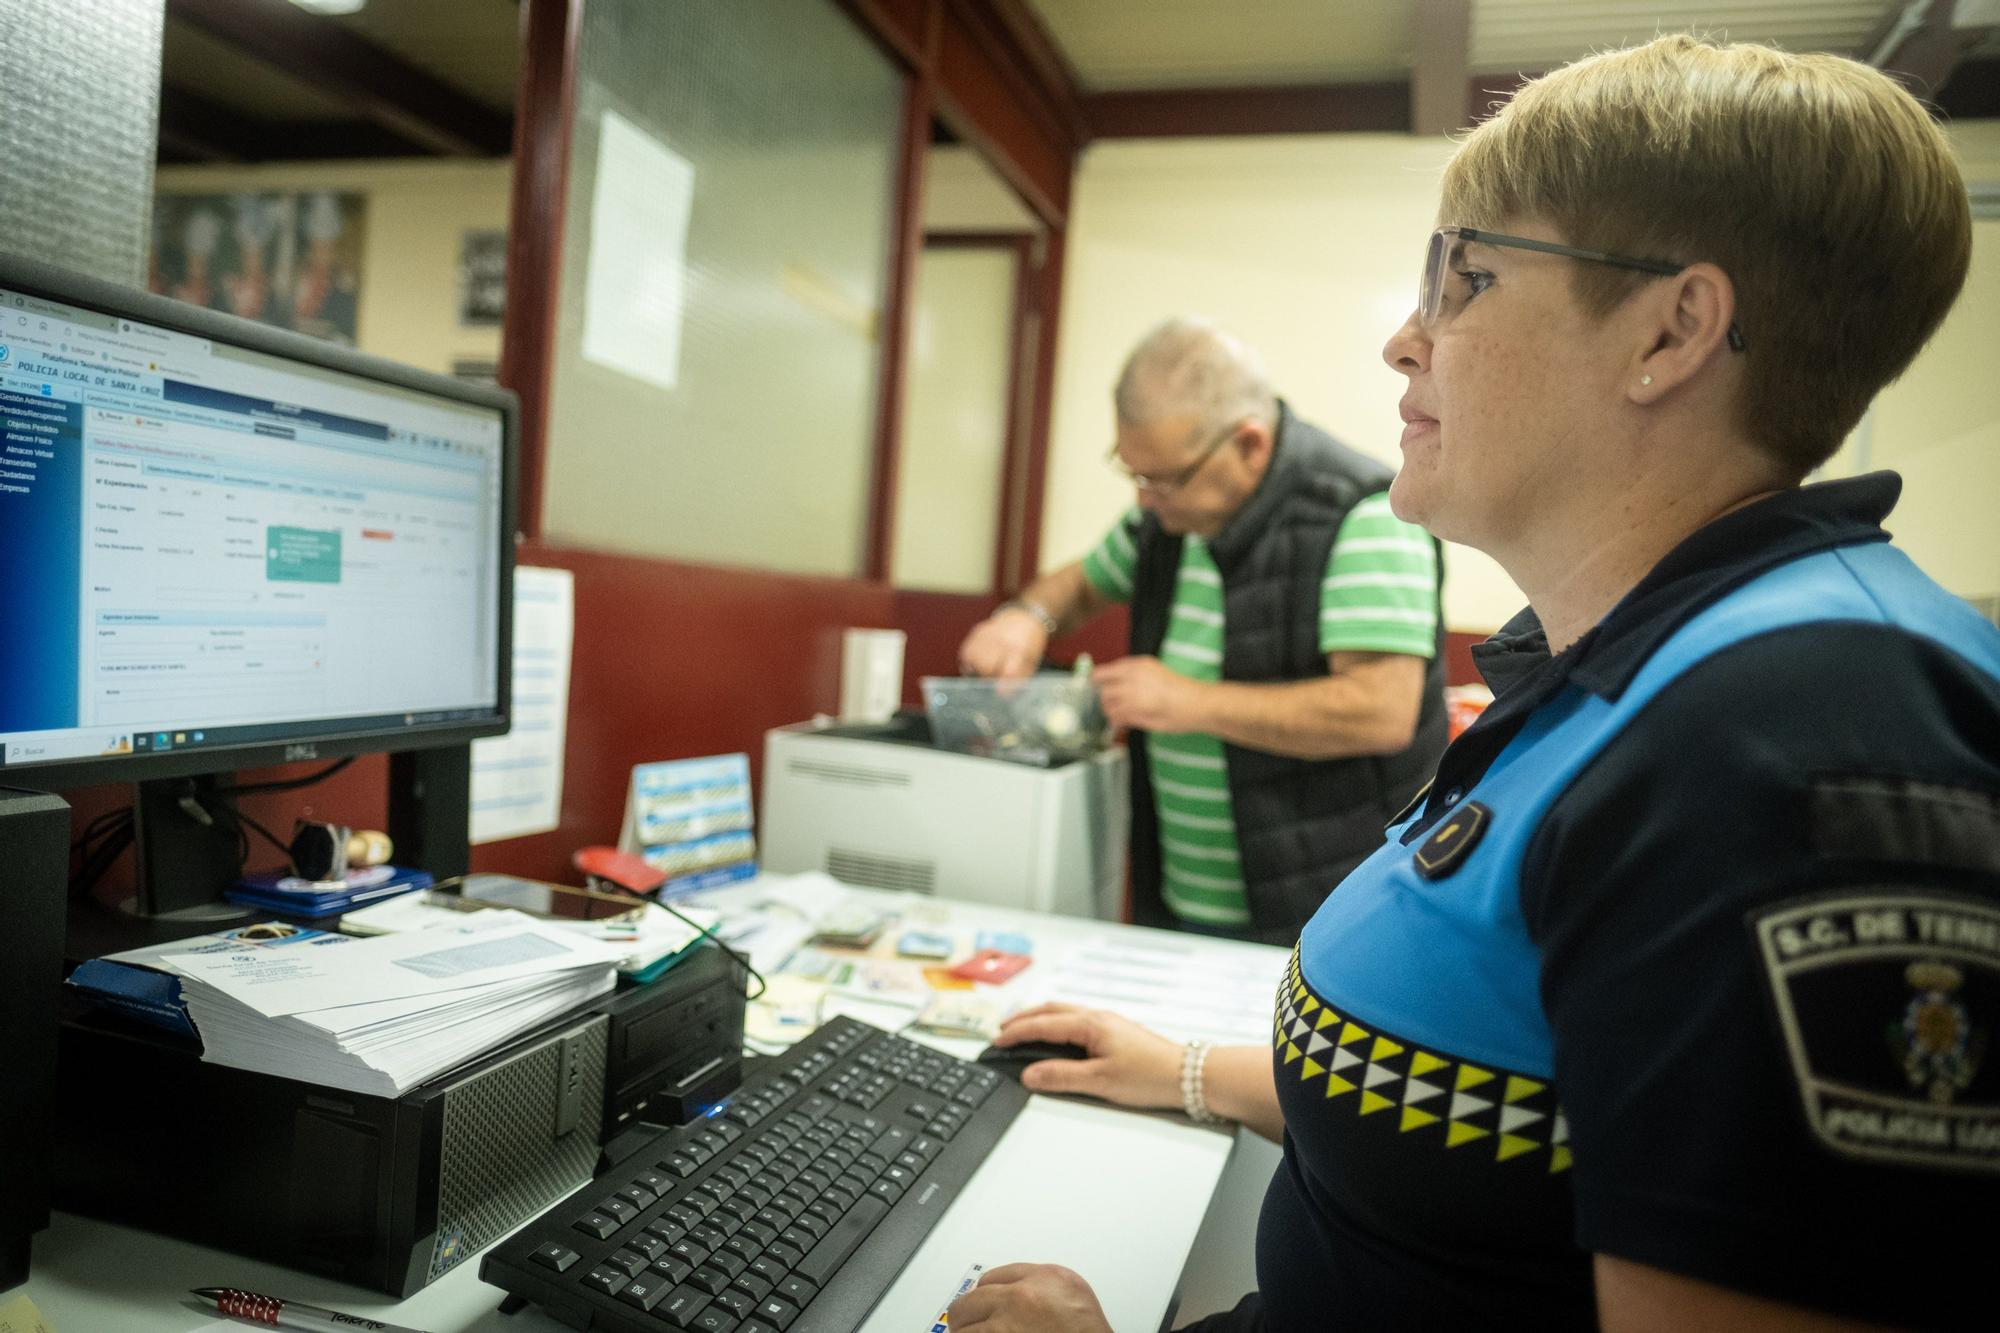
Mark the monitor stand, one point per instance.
(183, 864)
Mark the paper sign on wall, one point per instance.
(517, 778)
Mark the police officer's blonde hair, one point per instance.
(1189, 366)
(1817, 184)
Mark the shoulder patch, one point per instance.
(1888, 998)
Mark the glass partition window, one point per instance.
(726, 244)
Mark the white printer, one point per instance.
(878, 805)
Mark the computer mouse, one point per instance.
(1011, 1060)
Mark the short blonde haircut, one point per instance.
(1816, 183)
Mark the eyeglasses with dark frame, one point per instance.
(1430, 290)
(1168, 485)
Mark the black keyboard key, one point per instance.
(598, 1225)
(784, 1253)
(778, 1313)
(666, 1228)
(709, 1237)
(812, 1222)
(728, 1262)
(827, 1256)
(682, 1306)
(886, 1190)
(797, 1290)
(646, 1291)
(606, 1279)
(639, 1197)
(769, 1268)
(628, 1263)
(618, 1208)
(654, 1181)
(691, 1252)
(647, 1244)
(737, 1303)
(713, 1320)
(710, 1279)
(756, 1288)
(796, 1235)
(556, 1256)
(673, 1267)
(759, 1231)
(679, 1164)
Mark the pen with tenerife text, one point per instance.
(290, 1314)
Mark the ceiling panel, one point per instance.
(1125, 44)
(191, 59)
(473, 45)
(1536, 35)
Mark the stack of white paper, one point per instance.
(379, 1016)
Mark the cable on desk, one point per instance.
(706, 932)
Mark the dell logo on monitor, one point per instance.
(296, 752)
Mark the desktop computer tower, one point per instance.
(390, 1193)
(34, 863)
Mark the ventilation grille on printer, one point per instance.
(854, 775)
(871, 870)
(499, 1161)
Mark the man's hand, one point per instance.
(1030, 1298)
(1140, 692)
(1007, 645)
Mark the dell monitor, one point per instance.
(226, 546)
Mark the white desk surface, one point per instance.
(1116, 1195)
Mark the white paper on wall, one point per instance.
(634, 287)
(517, 778)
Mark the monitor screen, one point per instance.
(217, 542)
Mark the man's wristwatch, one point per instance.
(1035, 609)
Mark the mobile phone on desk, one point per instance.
(536, 898)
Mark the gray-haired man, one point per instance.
(1284, 696)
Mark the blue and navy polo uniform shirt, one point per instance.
(1690, 955)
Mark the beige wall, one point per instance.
(962, 193)
(1308, 246)
(417, 212)
(1939, 425)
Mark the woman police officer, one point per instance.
(1674, 1002)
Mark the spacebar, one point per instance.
(827, 1256)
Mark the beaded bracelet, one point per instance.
(1194, 1058)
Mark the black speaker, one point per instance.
(34, 861)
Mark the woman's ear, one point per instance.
(1693, 316)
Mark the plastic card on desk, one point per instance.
(1004, 941)
(991, 966)
(692, 819)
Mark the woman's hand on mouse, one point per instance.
(1030, 1298)
(1127, 1064)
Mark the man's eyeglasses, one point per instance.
(1163, 486)
(1439, 289)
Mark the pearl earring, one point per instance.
(1645, 380)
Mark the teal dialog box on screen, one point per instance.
(302, 555)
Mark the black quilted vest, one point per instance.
(1301, 824)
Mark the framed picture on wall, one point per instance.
(293, 260)
(482, 279)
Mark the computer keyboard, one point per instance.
(789, 1210)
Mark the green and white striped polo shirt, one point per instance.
(1379, 594)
